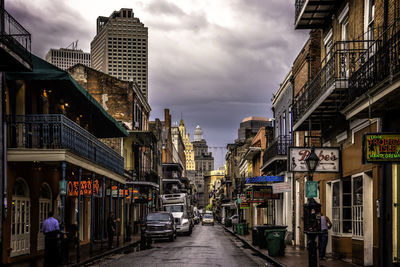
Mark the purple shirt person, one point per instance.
(50, 224)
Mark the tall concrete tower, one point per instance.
(198, 134)
(120, 48)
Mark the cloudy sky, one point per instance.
(213, 61)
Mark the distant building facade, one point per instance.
(66, 58)
(250, 126)
(189, 153)
(120, 48)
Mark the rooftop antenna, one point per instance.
(73, 45)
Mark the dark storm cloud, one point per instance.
(52, 26)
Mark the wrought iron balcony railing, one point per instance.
(298, 7)
(56, 131)
(15, 36)
(278, 147)
(335, 70)
(380, 62)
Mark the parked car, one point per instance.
(208, 218)
(159, 225)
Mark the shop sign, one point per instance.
(281, 187)
(381, 147)
(63, 188)
(86, 188)
(259, 195)
(311, 189)
(244, 205)
(122, 192)
(329, 159)
(264, 179)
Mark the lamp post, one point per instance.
(312, 214)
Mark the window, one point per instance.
(336, 207)
(357, 206)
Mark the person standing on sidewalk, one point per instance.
(111, 226)
(51, 231)
(323, 237)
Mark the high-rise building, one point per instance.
(189, 153)
(65, 58)
(120, 48)
(204, 161)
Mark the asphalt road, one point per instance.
(207, 246)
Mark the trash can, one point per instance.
(261, 240)
(245, 228)
(275, 237)
(254, 236)
(239, 229)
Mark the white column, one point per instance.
(368, 224)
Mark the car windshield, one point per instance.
(158, 217)
(174, 208)
(208, 216)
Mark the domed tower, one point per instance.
(198, 133)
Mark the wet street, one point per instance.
(207, 246)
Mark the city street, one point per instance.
(207, 246)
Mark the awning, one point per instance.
(46, 72)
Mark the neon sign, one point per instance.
(86, 188)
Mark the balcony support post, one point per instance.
(63, 170)
(103, 207)
(78, 247)
(118, 213)
(91, 213)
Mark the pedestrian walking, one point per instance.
(51, 231)
(111, 226)
(323, 237)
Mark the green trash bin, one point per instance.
(275, 241)
(239, 229)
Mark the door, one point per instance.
(20, 219)
(297, 213)
(44, 208)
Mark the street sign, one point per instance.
(63, 188)
(281, 188)
(239, 200)
(311, 189)
(328, 156)
(381, 147)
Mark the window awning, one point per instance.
(46, 72)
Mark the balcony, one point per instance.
(51, 132)
(321, 98)
(275, 156)
(15, 44)
(374, 86)
(312, 14)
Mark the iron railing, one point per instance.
(278, 147)
(335, 70)
(56, 131)
(380, 62)
(298, 7)
(15, 36)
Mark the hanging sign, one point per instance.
(264, 179)
(311, 189)
(381, 147)
(281, 188)
(244, 205)
(86, 188)
(328, 156)
(259, 195)
(122, 192)
(63, 188)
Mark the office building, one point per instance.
(120, 48)
(65, 58)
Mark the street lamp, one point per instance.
(312, 162)
(312, 214)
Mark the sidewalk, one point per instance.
(294, 256)
(85, 255)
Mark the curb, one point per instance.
(258, 251)
(106, 253)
